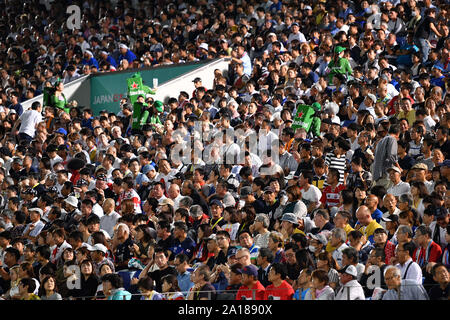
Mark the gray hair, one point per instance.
(186, 202)
(406, 197)
(195, 210)
(405, 229)
(397, 272)
(339, 233)
(262, 217)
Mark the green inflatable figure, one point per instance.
(136, 93)
(307, 117)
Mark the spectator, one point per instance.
(351, 289)
(402, 289)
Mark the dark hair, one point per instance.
(30, 283)
(115, 280)
(321, 275)
(410, 247)
(172, 280)
(146, 283)
(280, 269)
(351, 253)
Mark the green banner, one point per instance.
(108, 88)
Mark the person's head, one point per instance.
(392, 277)
(422, 235)
(440, 274)
(243, 256)
(319, 279)
(405, 251)
(404, 234)
(110, 282)
(245, 239)
(26, 286)
(338, 237)
(201, 274)
(364, 215)
(160, 257)
(249, 275)
(277, 272)
(347, 274)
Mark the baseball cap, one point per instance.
(372, 97)
(319, 237)
(308, 8)
(197, 79)
(436, 66)
(98, 247)
(395, 169)
(390, 218)
(159, 106)
(123, 46)
(102, 177)
(339, 49)
(289, 217)
(204, 46)
(211, 237)
(62, 131)
(38, 210)
(294, 24)
(350, 269)
(82, 182)
(147, 169)
(250, 270)
(231, 252)
(216, 202)
(269, 189)
(245, 191)
(420, 166)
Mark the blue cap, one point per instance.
(62, 130)
(147, 168)
(439, 67)
(250, 270)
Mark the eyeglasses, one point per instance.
(390, 278)
(239, 258)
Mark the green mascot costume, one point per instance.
(136, 93)
(307, 117)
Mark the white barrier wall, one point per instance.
(79, 89)
(184, 82)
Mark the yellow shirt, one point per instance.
(368, 230)
(411, 116)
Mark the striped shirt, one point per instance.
(332, 161)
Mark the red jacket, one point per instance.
(431, 253)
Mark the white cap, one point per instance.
(203, 45)
(38, 210)
(89, 52)
(123, 46)
(98, 247)
(351, 270)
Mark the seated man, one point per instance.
(402, 289)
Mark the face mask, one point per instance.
(413, 13)
(312, 249)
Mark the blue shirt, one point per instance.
(130, 56)
(18, 107)
(187, 247)
(438, 82)
(184, 282)
(91, 62)
(112, 61)
(247, 63)
(377, 214)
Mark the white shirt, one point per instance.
(399, 189)
(414, 271)
(29, 119)
(108, 222)
(38, 226)
(98, 210)
(265, 141)
(337, 254)
(313, 194)
(356, 291)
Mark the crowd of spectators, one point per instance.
(90, 209)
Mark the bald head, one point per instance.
(363, 215)
(174, 191)
(372, 202)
